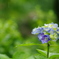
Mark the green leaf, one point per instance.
(2, 56)
(51, 55)
(42, 52)
(39, 56)
(54, 56)
(30, 44)
(27, 53)
(31, 57)
(22, 53)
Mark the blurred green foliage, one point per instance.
(9, 36)
(17, 19)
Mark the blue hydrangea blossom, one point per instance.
(43, 38)
(47, 32)
(37, 30)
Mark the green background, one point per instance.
(17, 19)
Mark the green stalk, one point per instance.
(48, 50)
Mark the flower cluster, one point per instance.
(47, 32)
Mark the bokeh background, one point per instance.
(18, 18)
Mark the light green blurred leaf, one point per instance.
(42, 52)
(39, 56)
(30, 44)
(31, 57)
(51, 55)
(26, 52)
(54, 56)
(2, 56)
(22, 53)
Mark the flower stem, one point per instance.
(48, 50)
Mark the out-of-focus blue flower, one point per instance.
(51, 25)
(40, 36)
(47, 29)
(44, 38)
(58, 29)
(37, 30)
(47, 32)
(51, 31)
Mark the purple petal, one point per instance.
(43, 38)
(40, 36)
(37, 30)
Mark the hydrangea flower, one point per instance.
(43, 38)
(47, 32)
(37, 30)
(51, 25)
